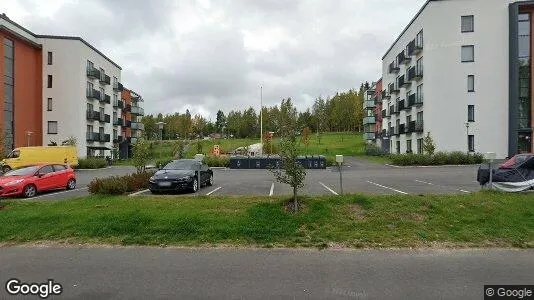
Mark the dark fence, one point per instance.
(264, 162)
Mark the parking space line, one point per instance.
(62, 192)
(385, 187)
(214, 191)
(272, 190)
(463, 191)
(138, 193)
(332, 191)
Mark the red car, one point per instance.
(29, 181)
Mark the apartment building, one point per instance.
(21, 122)
(64, 87)
(461, 71)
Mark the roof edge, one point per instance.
(408, 26)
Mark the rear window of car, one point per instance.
(58, 168)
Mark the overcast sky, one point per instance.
(205, 55)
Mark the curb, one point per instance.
(138, 193)
(218, 168)
(438, 166)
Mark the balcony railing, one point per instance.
(127, 107)
(127, 123)
(366, 105)
(369, 136)
(94, 73)
(105, 99)
(92, 94)
(401, 57)
(393, 68)
(104, 138)
(92, 136)
(403, 83)
(366, 120)
(418, 73)
(418, 45)
(418, 126)
(395, 88)
(402, 128)
(384, 113)
(418, 100)
(92, 115)
(136, 110)
(401, 105)
(410, 48)
(105, 79)
(410, 127)
(118, 104)
(118, 122)
(104, 118)
(411, 100)
(411, 74)
(118, 86)
(385, 95)
(391, 131)
(117, 139)
(392, 110)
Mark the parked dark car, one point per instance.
(181, 175)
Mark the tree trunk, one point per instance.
(295, 202)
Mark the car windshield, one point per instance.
(22, 172)
(181, 165)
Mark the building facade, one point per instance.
(461, 71)
(20, 86)
(56, 88)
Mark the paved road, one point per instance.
(156, 273)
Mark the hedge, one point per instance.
(217, 161)
(439, 158)
(91, 163)
(119, 185)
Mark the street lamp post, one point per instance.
(29, 135)
(160, 126)
(261, 119)
(467, 129)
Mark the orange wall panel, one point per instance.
(126, 96)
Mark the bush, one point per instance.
(119, 185)
(217, 161)
(438, 159)
(330, 161)
(91, 163)
(373, 150)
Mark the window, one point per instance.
(408, 146)
(114, 117)
(470, 83)
(419, 146)
(49, 81)
(420, 116)
(408, 120)
(471, 113)
(89, 87)
(46, 170)
(101, 113)
(52, 127)
(397, 147)
(102, 74)
(101, 130)
(468, 53)
(419, 39)
(89, 107)
(419, 67)
(58, 168)
(102, 94)
(419, 96)
(90, 128)
(115, 134)
(471, 143)
(115, 100)
(49, 58)
(468, 23)
(90, 65)
(49, 104)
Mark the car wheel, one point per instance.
(6, 169)
(210, 180)
(195, 185)
(71, 184)
(29, 191)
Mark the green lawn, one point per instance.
(485, 219)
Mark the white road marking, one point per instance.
(463, 191)
(272, 190)
(385, 187)
(138, 193)
(332, 191)
(214, 191)
(62, 192)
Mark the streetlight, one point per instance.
(261, 119)
(160, 126)
(467, 128)
(29, 134)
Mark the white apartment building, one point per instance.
(81, 90)
(455, 71)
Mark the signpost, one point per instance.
(490, 156)
(339, 160)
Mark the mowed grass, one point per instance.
(485, 219)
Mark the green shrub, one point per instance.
(373, 150)
(330, 161)
(477, 158)
(217, 161)
(438, 159)
(118, 185)
(91, 163)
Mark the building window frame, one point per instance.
(50, 58)
(420, 146)
(408, 146)
(467, 23)
(471, 57)
(49, 81)
(471, 142)
(470, 113)
(50, 127)
(49, 104)
(470, 83)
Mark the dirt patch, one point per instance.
(357, 212)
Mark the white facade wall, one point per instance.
(445, 77)
(68, 92)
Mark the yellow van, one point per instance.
(25, 156)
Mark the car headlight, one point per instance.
(188, 178)
(14, 182)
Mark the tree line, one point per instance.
(341, 112)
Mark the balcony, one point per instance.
(93, 73)
(118, 104)
(402, 129)
(127, 123)
(118, 86)
(411, 100)
(104, 138)
(92, 115)
(117, 140)
(92, 94)
(368, 136)
(92, 136)
(391, 131)
(395, 88)
(393, 68)
(392, 110)
(384, 114)
(105, 99)
(403, 83)
(401, 58)
(118, 122)
(418, 126)
(104, 118)
(410, 127)
(418, 100)
(411, 74)
(127, 108)
(418, 46)
(410, 50)
(136, 98)
(366, 120)
(366, 105)
(385, 95)
(401, 105)
(105, 79)
(138, 111)
(418, 74)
